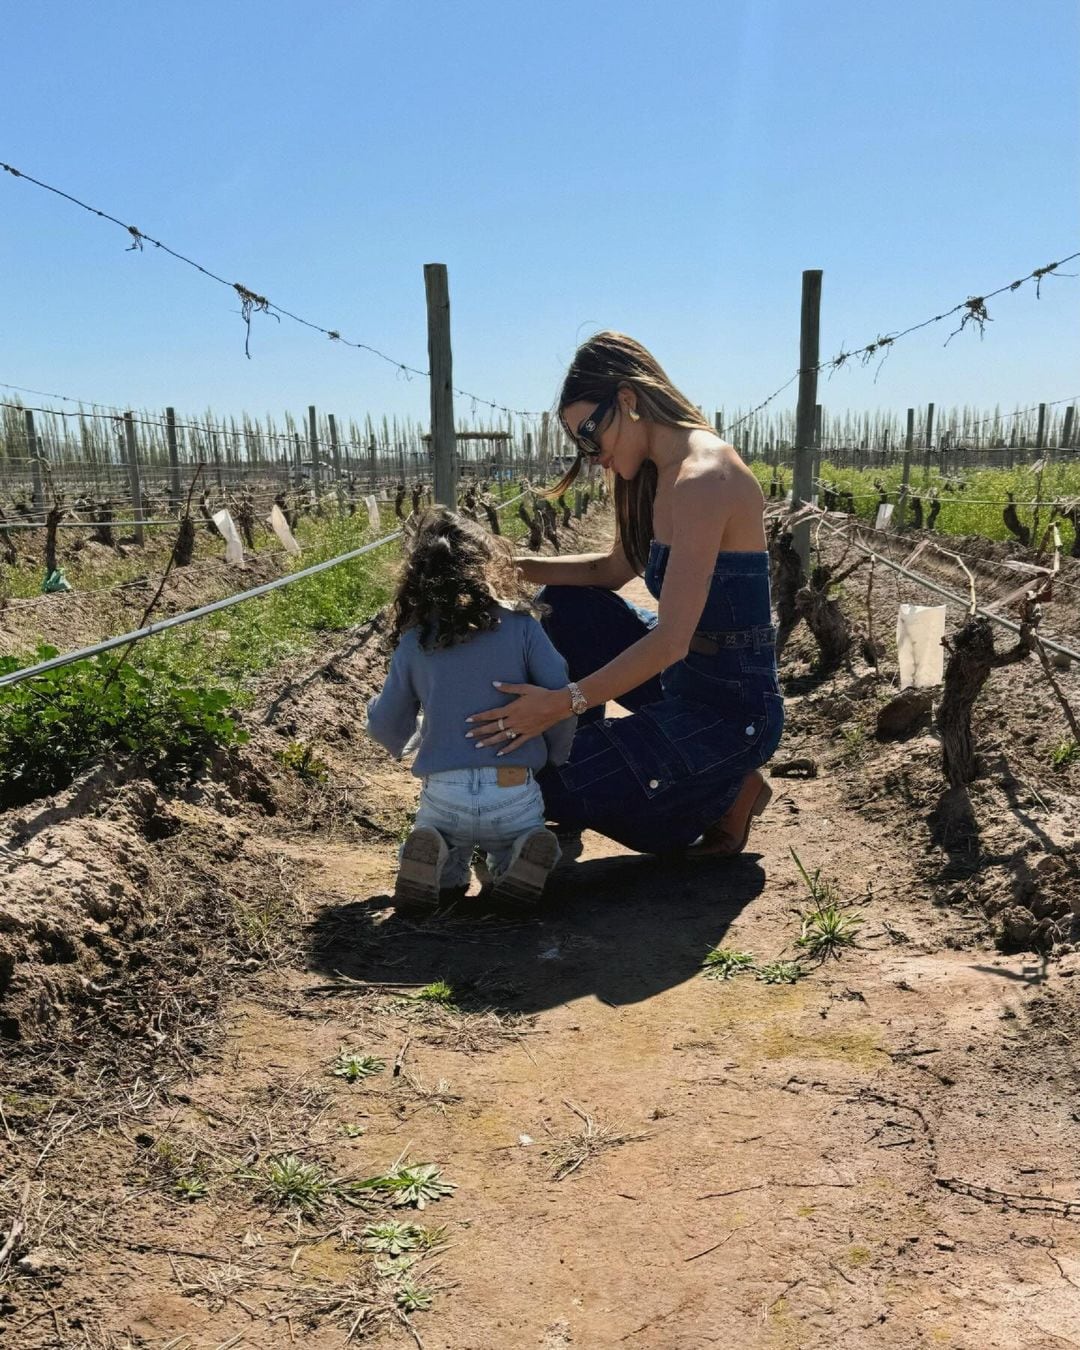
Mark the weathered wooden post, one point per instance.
(298, 460)
(809, 342)
(133, 475)
(929, 439)
(175, 496)
(33, 452)
(216, 453)
(313, 447)
(373, 464)
(440, 361)
(545, 444)
(817, 452)
(909, 441)
(1067, 428)
(335, 449)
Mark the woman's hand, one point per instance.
(531, 714)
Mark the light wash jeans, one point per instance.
(470, 810)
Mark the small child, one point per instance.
(454, 635)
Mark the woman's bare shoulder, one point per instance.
(715, 465)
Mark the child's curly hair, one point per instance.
(454, 582)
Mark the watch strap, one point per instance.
(578, 702)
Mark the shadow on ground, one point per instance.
(621, 929)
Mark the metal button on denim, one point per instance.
(750, 730)
(654, 782)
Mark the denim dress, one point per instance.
(655, 780)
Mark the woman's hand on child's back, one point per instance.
(533, 711)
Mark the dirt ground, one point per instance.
(882, 1154)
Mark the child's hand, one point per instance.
(532, 712)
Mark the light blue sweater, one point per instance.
(449, 684)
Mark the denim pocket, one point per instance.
(512, 805)
(444, 797)
(709, 737)
(605, 752)
(592, 760)
(702, 679)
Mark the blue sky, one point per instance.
(668, 170)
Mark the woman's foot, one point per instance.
(727, 837)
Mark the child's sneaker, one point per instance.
(534, 855)
(423, 856)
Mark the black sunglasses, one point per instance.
(587, 437)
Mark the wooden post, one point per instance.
(335, 449)
(929, 438)
(1040, 435)
(809, 343)
(217, 462)
(545, 444)
(133, 475)
(313, 447)
(909, 441)
(1066, 430)
(298, 460)
(175, 496)
(33, 451)
(373, 463)
(817, 453)
(440, 362)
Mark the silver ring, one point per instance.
(511, 735)
(502, 725)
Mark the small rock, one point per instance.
(42, 1261)
(904, 715)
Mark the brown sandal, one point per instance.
(718, 842)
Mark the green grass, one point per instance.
(354, 1068)
(1065, 753)
(779, 972)
(437, 992)
(393, 1238)
(722, 963)
(416, 1185)
(175, 696)
(301, 758)
(827, 930)
(289, 1182)
(54, 725)
(964, 510)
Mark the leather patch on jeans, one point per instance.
(511, 775)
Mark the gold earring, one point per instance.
(634, 416)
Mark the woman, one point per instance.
(698, 677)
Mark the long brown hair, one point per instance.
(601, 366)
(455, 580)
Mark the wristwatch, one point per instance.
(578, 702)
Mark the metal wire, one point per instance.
(929, 585)
(189, 616)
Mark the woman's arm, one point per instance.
(609, 570)
(700, 513)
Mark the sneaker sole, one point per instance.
(524, 880)
(418, 872)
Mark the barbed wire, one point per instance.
(975, 312)
(251, 302)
